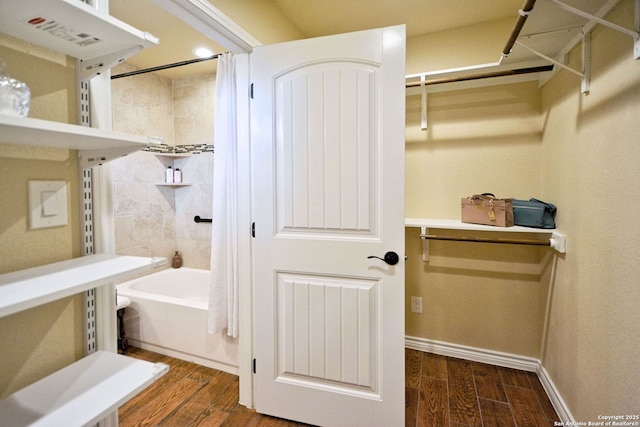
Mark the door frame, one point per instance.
(209, 20)
(212, 22)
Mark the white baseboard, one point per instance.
(474, 354)
(497, 358)
(556, 400)
(230, 369)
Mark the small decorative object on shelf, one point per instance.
(15, 95)
(177, 260)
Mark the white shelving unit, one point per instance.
(95, 146)
(74, 28)
(82, 393)
(454, 224)
(552, 28)
(99, 41)
(94, 386)
(91, 389)
(43, 133)
(24, 289)
(550, 238)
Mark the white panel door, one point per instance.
(327, 135)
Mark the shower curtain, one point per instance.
(223, 291)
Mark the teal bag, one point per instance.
(534, 213)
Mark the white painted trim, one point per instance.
(210, 21)
(245, 268)
(474, 354)
(106, 319)
(554, 395)
(230, 369)
(491, 357)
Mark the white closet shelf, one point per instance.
(96, 146)
(24, 289)
(76, 29)
(174, 185)
(44, 133)
(554, 239)
(454, 224)
(82, 393)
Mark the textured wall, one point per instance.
(578, 151)
(142, 104)
(153, 220)
(460, 47)
(480, 295)
(37, 342)
(591, 153)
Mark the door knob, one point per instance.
(390, 258)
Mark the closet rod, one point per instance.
(164, 67)
(524, 13)
(487, 240)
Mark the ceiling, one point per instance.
(321, 18)
(311, 17)
(177, 39)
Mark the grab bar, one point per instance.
(198, 219)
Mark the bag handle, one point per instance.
(483, 196)
(552, 208)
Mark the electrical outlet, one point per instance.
(416, 304)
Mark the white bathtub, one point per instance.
(168, 315)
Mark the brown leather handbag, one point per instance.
(486, 209)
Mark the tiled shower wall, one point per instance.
(151, 219)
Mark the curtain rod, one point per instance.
(164, 67)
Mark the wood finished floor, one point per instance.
(190, 395)
(445, 391)
(440, 391)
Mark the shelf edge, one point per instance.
(85, 391)
(29, 288)
(453, 224)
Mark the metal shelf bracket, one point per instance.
(425, 98)
(635, 33)
(584, 36)
(425, 244)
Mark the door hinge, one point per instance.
(253, 229)
(254, 365)
(251, 91)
